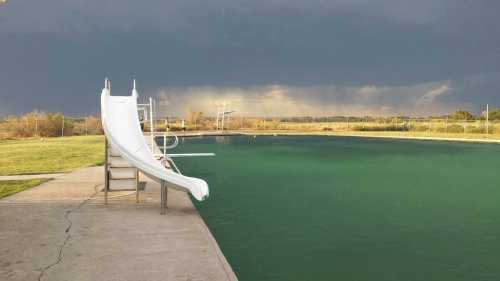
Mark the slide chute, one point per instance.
(120, 122)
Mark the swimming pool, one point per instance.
(342, 208)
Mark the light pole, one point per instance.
(223, 114)
(217, 120)
(62, 127)
(85, 122)
(487, 119)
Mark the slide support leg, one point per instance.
(106, 188)
(164, 195)
(106, 171)
(137, 186)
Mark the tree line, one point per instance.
(460, 114)
(41, 124)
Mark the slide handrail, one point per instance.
(174, 145)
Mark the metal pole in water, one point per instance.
(164, 144)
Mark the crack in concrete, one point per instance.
(68, 235)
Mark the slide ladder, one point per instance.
(120, 174)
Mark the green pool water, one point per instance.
(340, 208)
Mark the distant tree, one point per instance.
(462, 115)
(94, 126)
(193, 117)
(52, 125)
(494, 114)
(89, 125)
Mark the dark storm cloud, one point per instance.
(54, 54)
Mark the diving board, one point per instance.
(120, 121)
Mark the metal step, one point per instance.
(125, 184)
(122, 173)
(113, 152)
(119, 162)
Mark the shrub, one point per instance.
(454, 128)
(494, 114)
(381, 128)
(419, 128)
(462, 115)
(476, 129)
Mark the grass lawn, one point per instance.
(10, 187)
(50, 155)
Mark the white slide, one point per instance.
(120, 122)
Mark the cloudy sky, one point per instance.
(264, 57)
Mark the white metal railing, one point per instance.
(168, 157)
(172, 155)
(153, 134)
(164, 136)
(165, 147)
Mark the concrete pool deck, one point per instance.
(30, 177)
(61, 230)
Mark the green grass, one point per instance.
(10, 187)
(50, 155)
